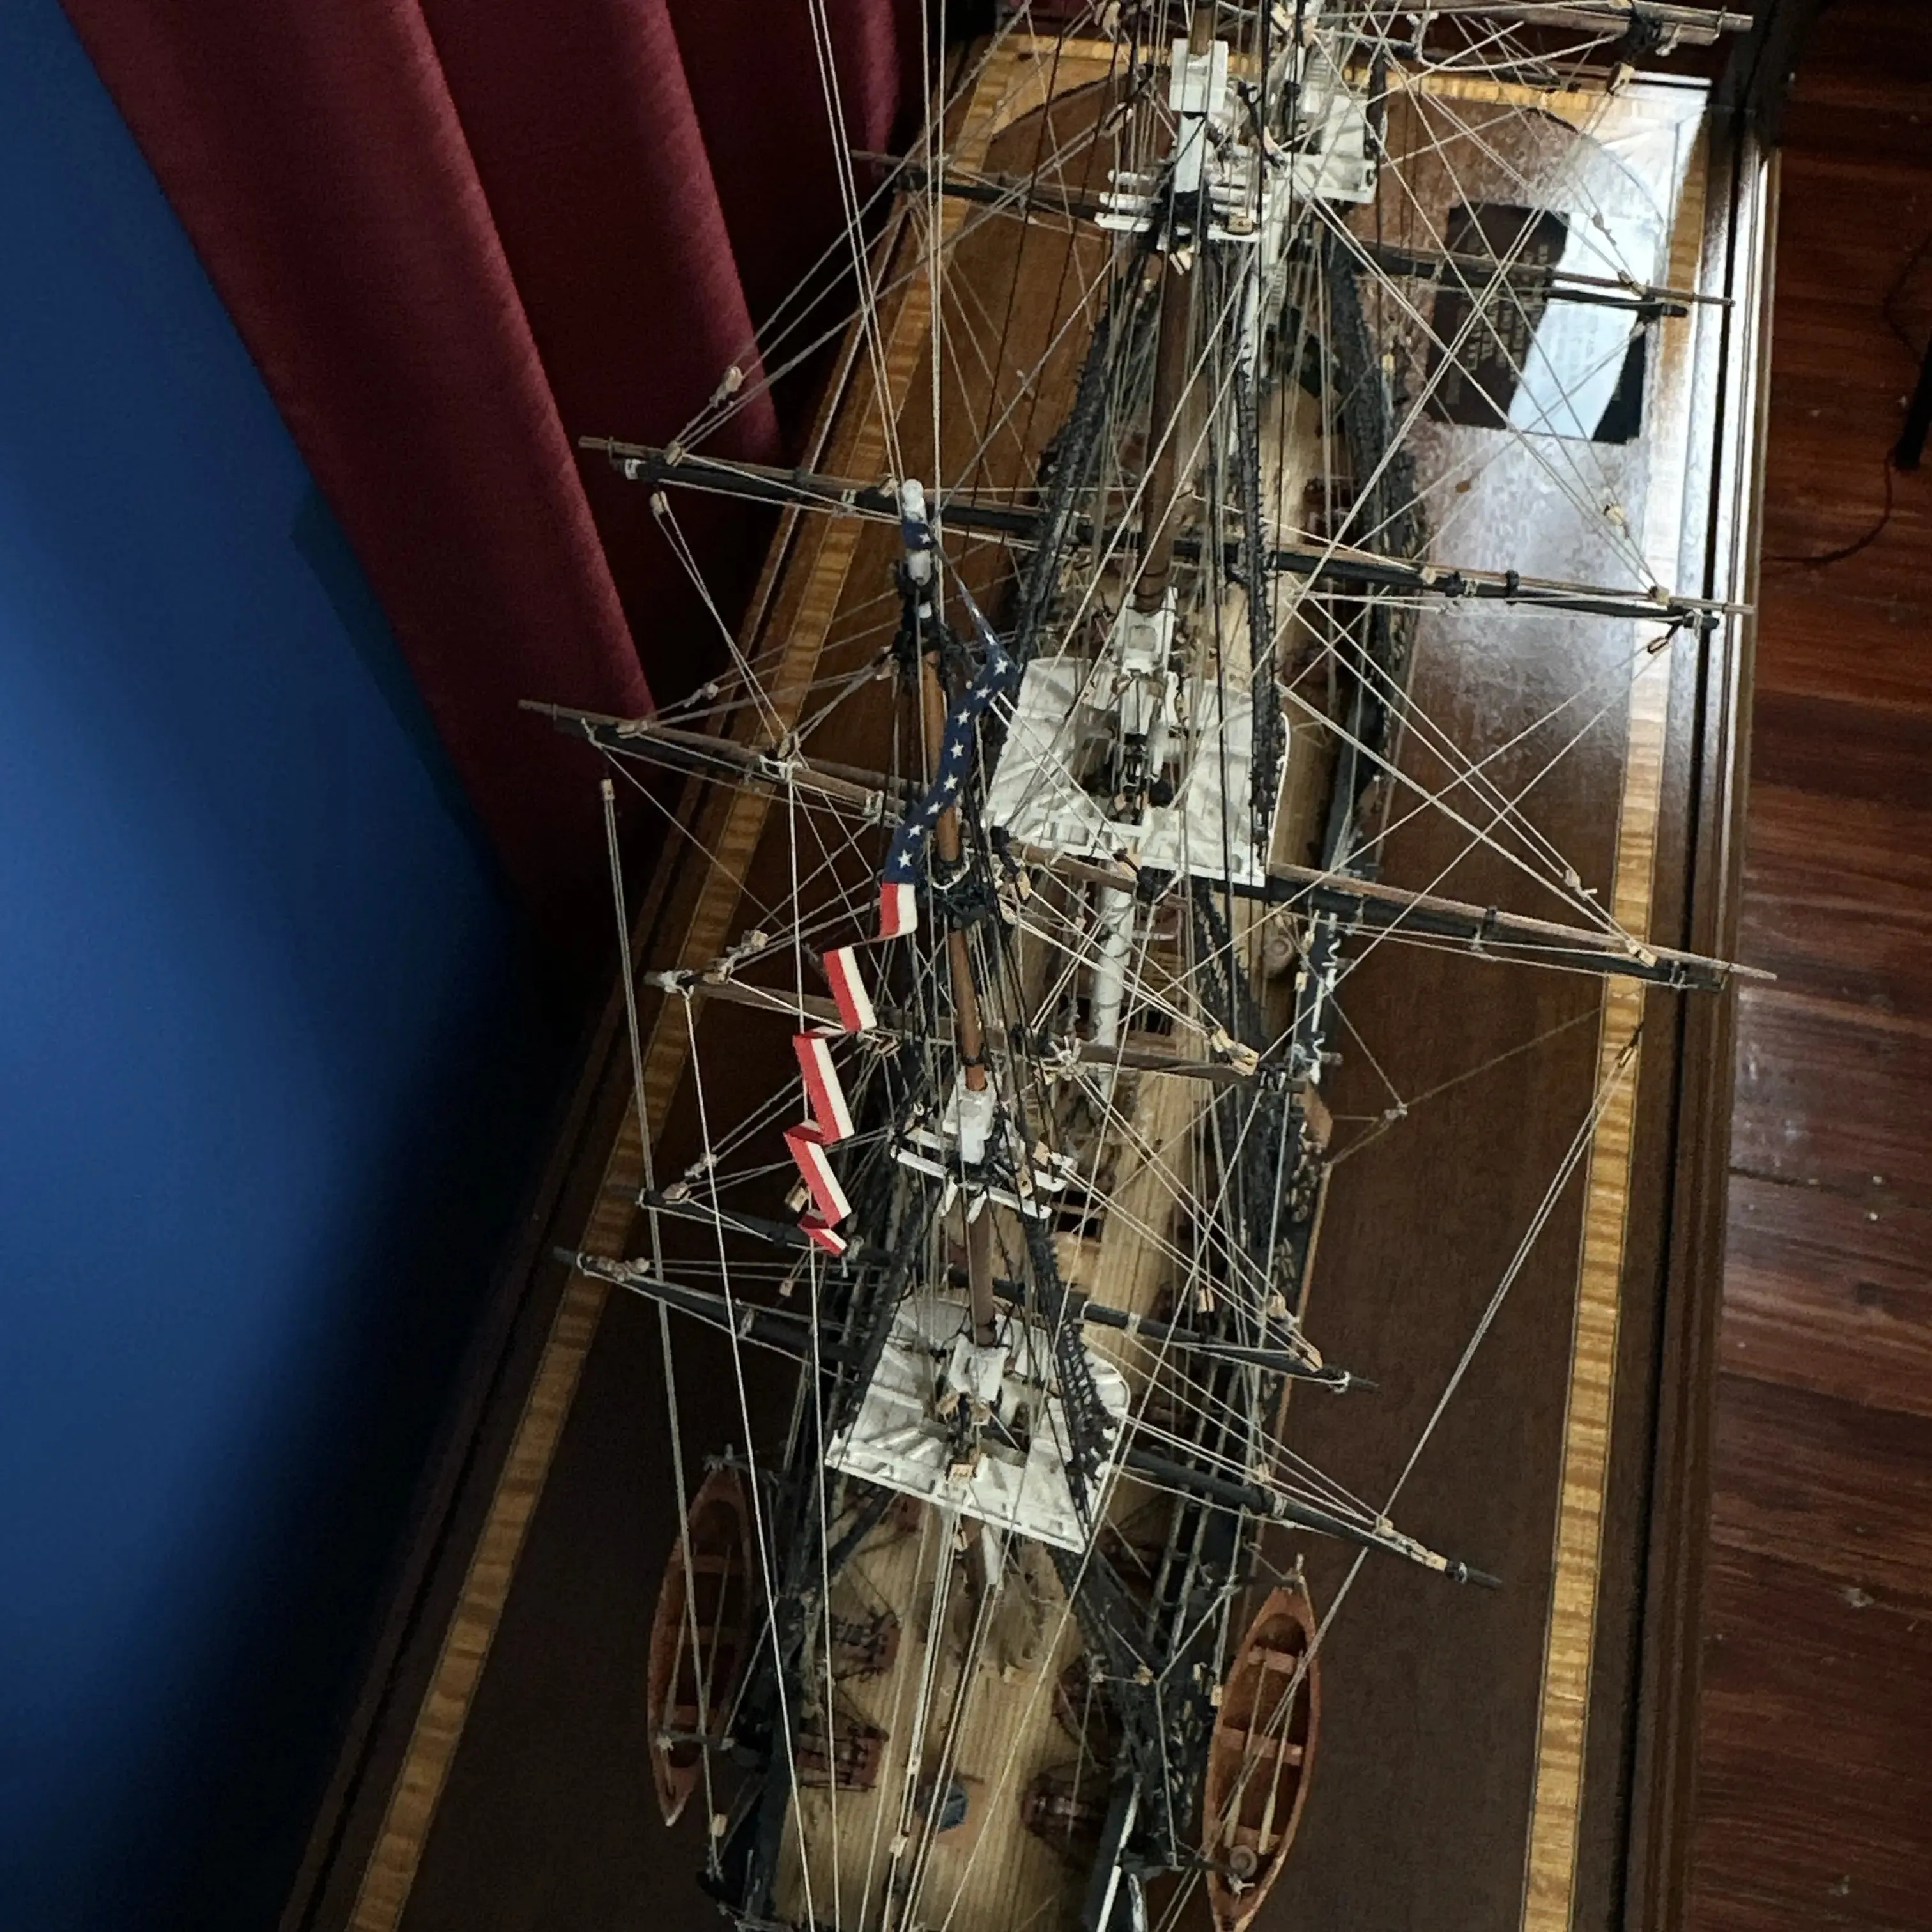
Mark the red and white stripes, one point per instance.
(831, 1120)
(823, 1093)
(830, 1206)
(848, 991)
(898, 910)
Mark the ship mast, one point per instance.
(1197, 83)
(921, 579)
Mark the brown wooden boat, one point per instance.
(691, 1687)
(1259, 1766)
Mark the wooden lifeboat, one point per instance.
(690, 1689)
(1258, 1764)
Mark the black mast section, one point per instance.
(806, 489)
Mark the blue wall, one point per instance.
(273, 1074)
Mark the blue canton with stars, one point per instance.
(956, 743)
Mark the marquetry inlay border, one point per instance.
(1550, 1851)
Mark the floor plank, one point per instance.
(1830, 1293)
(1841, 748)
(1838, 900)
(1805, 619)
(1817, 1695)
(1819, 1095)
(1827, 1487)
(1805, 1821)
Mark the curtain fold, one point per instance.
(454, 235)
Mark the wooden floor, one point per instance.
(1814, 1800)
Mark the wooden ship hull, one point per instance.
(1034, 1452)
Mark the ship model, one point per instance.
(986, 1152)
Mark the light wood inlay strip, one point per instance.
(1550, 1854)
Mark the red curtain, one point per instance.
(455, 234)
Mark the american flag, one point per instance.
(898, 903)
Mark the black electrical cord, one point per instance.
(1818, 559)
